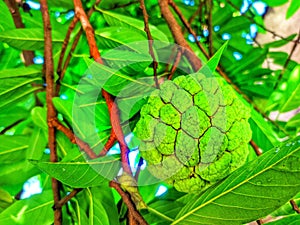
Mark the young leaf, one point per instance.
(81, 174)
(251, 192)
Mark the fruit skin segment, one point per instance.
(193, 132)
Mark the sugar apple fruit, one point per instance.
(193, 132)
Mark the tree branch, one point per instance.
(150, 41)
(72, 137)
(113, 109)
(51, 112)
(177, 34)
(295, 206)
(61, 69)
(64, 200)
(14, 10)
(130, 205)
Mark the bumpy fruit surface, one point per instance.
(194, 132)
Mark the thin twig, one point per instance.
(175, 64)
(72, 137)
(111, 141)
(80, 13)
(51, 112)
(115, 123)
(150, 41)
(130, 205)
(255, 147)
(287, 61)
(67, 198)
(14, 10)
(188, 26)
(61, 69)
(178, 36)
(295, 206)
(63, 51)
(253, 21)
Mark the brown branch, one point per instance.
(177, 34)
(111, 141)
(175, 64)
(295, 206)
(72, 137)
(150, 41)
(188, 26)
(62, 69)
(116, 126)
(113, 108)
(14, 10)
(255, 147)
(63, 51)
(287, 61)
(80, 13)
(67, 198)
(51, 112)
(130, 205)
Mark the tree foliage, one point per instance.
(74, 76)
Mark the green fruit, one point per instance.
(194, 132)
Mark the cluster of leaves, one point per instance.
(254, 191)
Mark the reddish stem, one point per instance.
(51, 112)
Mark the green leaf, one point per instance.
(251, 192)
(34, 210)
(28, 38)
(11, 115)
(128, 61)
(37, 144)
(262, 132)
(5, 200)
(39, 117)
(81, 174)
(115, 19)
(102, 211)
(294, 121)
(292, 93)
(30, 71)
(293, 8)
(9, 85)
(212, 64)
(111, 37)
(6, 21)
(273, 3)
(15, 174)
(112, 81)
(12, 148)
(163, 212)
(279, 43)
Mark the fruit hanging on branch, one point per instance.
(193, 132)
